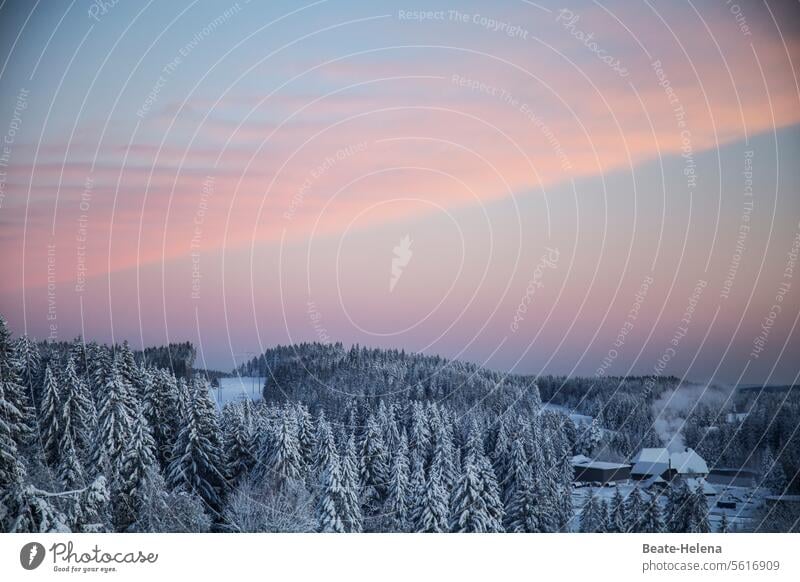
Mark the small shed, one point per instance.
(601, 472)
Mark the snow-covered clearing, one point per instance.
(237, 388)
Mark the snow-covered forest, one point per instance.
(102, 438)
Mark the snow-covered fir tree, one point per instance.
(15, 389)
(197, 465)
(593, 519)
(113, 429)
(351, 501)
(50, 419)
(652, 519)
(634, 511)
(724, 524)
(330, 497)
(78, 414)
(239, 443)
(373, 469)
(70, 470)
(282, 457)
(138, 464)
(397, 504)
(617, 522)
(430, 512)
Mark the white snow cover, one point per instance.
(689, 462)
(694, 484)
(581, 460)
(655, 455)
(603, 465)
(655, 461)
(650, 462)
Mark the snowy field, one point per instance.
(237, 388)
(578, 419)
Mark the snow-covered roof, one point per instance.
(655, 461)
(604, 465)
(651, 461)
(581, 460)
(688, 462)
(655, 455)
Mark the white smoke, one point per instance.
(671, 409)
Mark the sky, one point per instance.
(588, 188)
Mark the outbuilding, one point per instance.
(588, 471)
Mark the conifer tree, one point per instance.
(774, 477)
(27, 361)
(101, 369)
(305, 434)
(70, 471)
(238, 444)
(197, 465)
(283, 460)
(399, 488)
(351, 502)
(444, 453)
(12, 472)
(163, 412)
(325, 446)
(469, 510)
(329, 500)
(78, 415)
(491, 492)
(419, 437)
(50, 418)
(373, 468)
(137, 463)
(563, 501)
(616, 517)
(698, 512)
(93, 503)
(475, 503)
(12, 377)
(501, 454)
(592, 518)
(431, 511)
(113, 429)
(652, 520)
(634, 511)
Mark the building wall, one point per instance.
(601, 475)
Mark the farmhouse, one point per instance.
(687, 463)
(659, 462)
